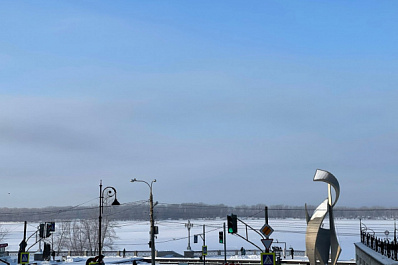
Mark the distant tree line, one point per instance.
(163, 211)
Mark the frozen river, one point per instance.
(173, 234)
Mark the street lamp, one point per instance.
(152, 242)
(111, 192)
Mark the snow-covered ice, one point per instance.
(173, 235)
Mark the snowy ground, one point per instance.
(173, 235)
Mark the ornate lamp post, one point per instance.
(111, 192)
(150, 216)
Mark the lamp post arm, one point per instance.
(109, 187)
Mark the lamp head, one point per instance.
(115, 202)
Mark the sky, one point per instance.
(222, 102)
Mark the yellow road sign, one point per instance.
(266, 230)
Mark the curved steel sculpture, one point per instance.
(320, 241)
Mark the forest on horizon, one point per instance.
(185, 211)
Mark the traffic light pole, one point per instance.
(39, 241)
(204, 244)
(225, 246)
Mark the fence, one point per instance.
(136, 253)
(382, 246)
(110, 253)
(214, 253)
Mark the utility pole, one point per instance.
(189, 226)
(151, 218)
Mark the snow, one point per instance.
(173, 235)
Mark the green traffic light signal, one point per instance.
(221, 237)
(232, 223)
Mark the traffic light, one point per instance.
(229, 222)
(41, 230)
(51, 226)
(48, 229)
(232, 223)
(221, 237)
(195, 238)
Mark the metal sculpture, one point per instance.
(321, 241)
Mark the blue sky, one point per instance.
(231, 102)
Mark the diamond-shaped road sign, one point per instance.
(267, 242)
(266, 230)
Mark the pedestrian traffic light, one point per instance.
(221, 237)
(232, 223)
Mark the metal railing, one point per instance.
(147, 253)
(214, 253)
(109, 253)
(383, 246)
